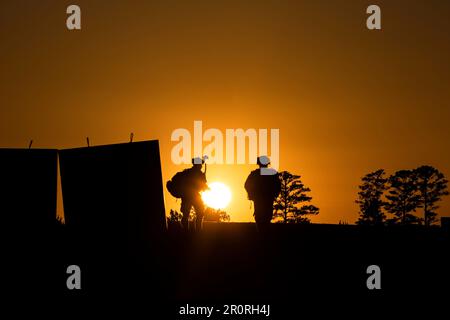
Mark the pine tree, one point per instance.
(293, 194)
(403, 198)
(370, 198)
(432, 186)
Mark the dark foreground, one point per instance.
(293, 268)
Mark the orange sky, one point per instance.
(346, 100)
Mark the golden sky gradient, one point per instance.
(347, 100)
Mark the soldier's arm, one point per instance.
(277, 185)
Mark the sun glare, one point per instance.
(218, 196)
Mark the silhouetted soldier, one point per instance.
(263, 186)
(187, 185)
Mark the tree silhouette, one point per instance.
(431, 186)
(293, 193)
(369, 198)
(216, 215)
(403, 197)
(175, 216)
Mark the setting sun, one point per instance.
(218, 196)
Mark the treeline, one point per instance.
(406, 197)
(215, 215)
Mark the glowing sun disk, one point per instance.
(218, 196)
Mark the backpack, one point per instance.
(176, 185)
(262, 186)
(251, 184)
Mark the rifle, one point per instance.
(204, 160)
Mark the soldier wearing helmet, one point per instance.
(194, 182)
(263, 186)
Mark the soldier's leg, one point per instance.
(268, 211)
(257, 213)
(263, 214)
(186, 206)
(199, 212)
